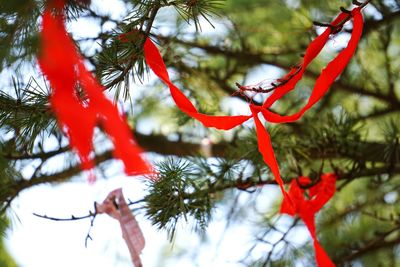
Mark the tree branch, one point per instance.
(258, 57)
(372, 246)
(371, 25)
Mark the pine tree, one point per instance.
(353, 131)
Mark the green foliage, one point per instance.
(175, 194)
(193, 9)
(122, 53)
(9, 175)
(5, 259)
(18, 28)
(359, 223)
(26, 115)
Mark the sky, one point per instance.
(36, 242)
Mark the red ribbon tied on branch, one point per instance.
(77, 114)
(322, 85)
(115, 206)
(319, 195)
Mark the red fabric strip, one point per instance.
(156, 63)
(114, 125)
(313, 49)
(267, 151)
(319, 195)
(327, 76)
(63, 66)
(57, 61)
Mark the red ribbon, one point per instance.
(319, 195)
(295, 75)
(63, 66)
(327, 76)
(156, 63)
(322, 85)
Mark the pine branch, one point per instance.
(373, 245)
(372, 24)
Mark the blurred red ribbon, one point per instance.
(322, 85)
(78, 114)
(115, 206)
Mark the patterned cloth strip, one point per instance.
(115, 206)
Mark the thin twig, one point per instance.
(92, 214)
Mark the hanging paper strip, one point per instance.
(115, 206)
(78, 114)
(322, 85)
